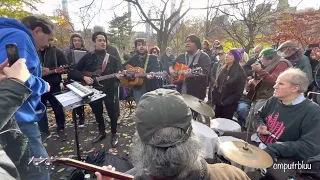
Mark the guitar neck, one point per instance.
(105, 77)
(94, 168)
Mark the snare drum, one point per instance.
(222, 125)
(207, 137)
(221, 140)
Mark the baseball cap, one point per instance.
(160, 109)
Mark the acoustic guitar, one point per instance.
(134, 76)
(180, 69)
(50, 162)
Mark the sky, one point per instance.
(118, 7)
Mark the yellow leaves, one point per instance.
(68, 151)
(60, 170)
(45, 144)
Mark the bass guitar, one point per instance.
(134, 76)
(180, 71)
(50, 162)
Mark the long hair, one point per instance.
(154, 48)
(177, 161)
(236, 71)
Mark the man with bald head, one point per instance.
(288, 124)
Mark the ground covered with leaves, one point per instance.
(54, 147)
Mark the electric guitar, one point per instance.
(97, 77)
(137, 77)
(180, 71)
(50, 162)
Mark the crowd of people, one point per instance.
(266, 93)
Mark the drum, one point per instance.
(222, 125)
(170, 86)
(207, 137)
(217, 151)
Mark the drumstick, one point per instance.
(272, 135)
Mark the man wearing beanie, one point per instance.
(262, 89)
(165, 145)
(193, 58)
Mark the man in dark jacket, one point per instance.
(51, 60)
(99, 59)
(13, 93)
(150, 63)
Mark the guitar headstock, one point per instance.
(160, 74)
(47, 162)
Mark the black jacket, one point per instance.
(52, 58)
(91, 62)
(12, 95)
(153, 66)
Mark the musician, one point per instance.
(229, 85)
(77, 43)
(51, 58)
(149, 63)
(274, 65)
(92, 62)
(291, 51)
(288, 125)
(193, 57)
(253, 59)
(165, 146)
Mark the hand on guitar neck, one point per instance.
(100, 177)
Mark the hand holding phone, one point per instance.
(12, 53)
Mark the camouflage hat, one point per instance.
(288, 44)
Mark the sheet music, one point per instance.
(68, 98)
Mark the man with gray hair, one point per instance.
(165, 146)
(289, 124)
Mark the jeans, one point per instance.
(56, 107)
(137, 93)
(36, 149)
(242, 111)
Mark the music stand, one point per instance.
(70, 101)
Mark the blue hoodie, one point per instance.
(12, 31)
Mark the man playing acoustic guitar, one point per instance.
(99, 61)
(149, 63)
(193, 58)
(262, 89)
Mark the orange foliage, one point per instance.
(303, 27)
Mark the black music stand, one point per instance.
(70, 101)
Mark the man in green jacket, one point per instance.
(13, 93)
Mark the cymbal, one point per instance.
(198, 105)
(253, 157)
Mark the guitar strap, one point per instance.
(196, 59)
(105, 62)
(146, 64)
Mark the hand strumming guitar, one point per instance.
(88, 80)
(100, 177)
(256, 67)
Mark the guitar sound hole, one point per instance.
(130, 78)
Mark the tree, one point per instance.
(303, 27)
(120, 30)
(16, 8)
(190, 26)
(248, 21)
(160, 21)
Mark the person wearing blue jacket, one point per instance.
(32, 33)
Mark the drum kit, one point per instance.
(236, 150)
